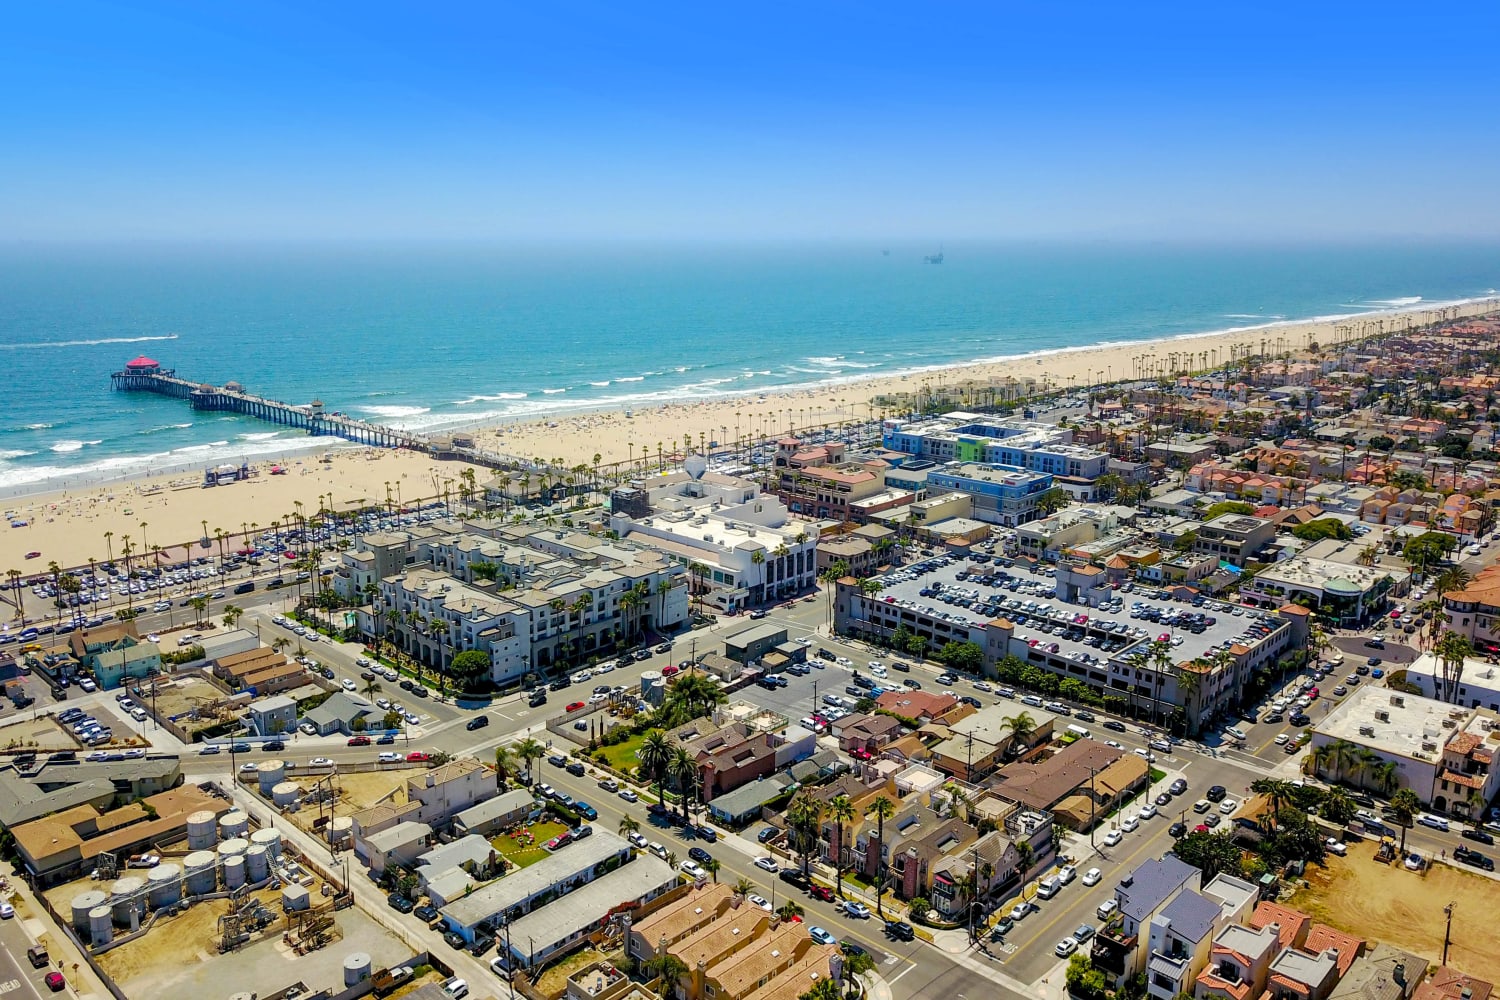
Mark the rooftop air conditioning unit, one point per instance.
(1429, 746)
(1367, 730)
(1382, 716)
(1449, 724)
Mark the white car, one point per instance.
(1336, 846)
(7, 911)
(347, 684)
(1066, 873)
(389, 757)
(249, 768)
(1092, 877)
(844, 661)
(456, 988)
(582, 676)
(320, 762)
(691, 869)
(637, 840)
(1130, 823)
(1228, 806)
(1112, 838)
(768, 865)
(1065, 947)
(1148, 811)
(628, 795)
(757, 900)
(1020, 911)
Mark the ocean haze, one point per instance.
(428, 335)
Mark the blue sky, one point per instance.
(899, 121)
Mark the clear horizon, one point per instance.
(834, 123)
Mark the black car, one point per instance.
(912, 683)
(537, 700)
(399, 903)
(901, 666)
(1216, 793)
(427, 913)
(455, 940)
(273, 745)
(767, 834)
(900, 930)
(794, 877)
(560, 684)
(1084, 716)
(1478, 836)
(240, 748)
(478, 722)
(385, 740)
(709, 834)
(1468, 857)
(1113, 726)
(1177, 830)
(576, 769)
(699, 855)
(969, 699)
(851, 949)
(1179, 786)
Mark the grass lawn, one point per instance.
(522, 854)
(622, 757)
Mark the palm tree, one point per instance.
(1020, 726)
(628, 825)
(669, 970)
(655, 756)
(1405, 805)
(804, 815)
(684, 768)
(712, 866)
(530, 751)
(743, 886)
(505, 763)
(840, 810)
(1452, 650)
(882, 809)
(791, 908)
(1276, 791)
(1342, 755)
(1338, 806)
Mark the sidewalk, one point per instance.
(955, 944)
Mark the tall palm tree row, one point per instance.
(804, 817)
(882, 809)
(840, 810)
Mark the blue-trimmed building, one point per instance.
(1002, 494)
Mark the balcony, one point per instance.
(1113, 949)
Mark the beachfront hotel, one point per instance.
(748, 547)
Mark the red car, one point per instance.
(574, 706)
(359, 741)
(821, 892)
(55, 981)
(417, 756)
(33, 555)
(668, 670)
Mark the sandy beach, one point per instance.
(69, 526)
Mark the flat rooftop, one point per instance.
(1400, 725)
(1029, 613)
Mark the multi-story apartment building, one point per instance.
(543, 596)
(968, 437)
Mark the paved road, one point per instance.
(18, 980)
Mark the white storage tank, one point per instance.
(268, 838)
(127, 897)
(341, 831)
(233, 824)
(256, 867)
(234, 872)
(164, 885)
(284, 793)
(233, 848)
(202, 877)
(101, 926)
(356, 968)
(202, 830)
(656, 694)
(85, 903)
(270, 774)
(648, 678)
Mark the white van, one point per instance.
(1048, 887)
(1080, 732)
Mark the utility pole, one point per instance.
(1448, 930)
(1092, 792)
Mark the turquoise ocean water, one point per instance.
(440, 336)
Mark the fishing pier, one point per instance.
(146, 375)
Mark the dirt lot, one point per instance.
(1390, 904)
(357, 790)
(184, 695)
(43, 734)
(174, 941)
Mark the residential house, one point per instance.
(998, 862)
(1119, 948)
(449, 789)
(339, 712)
(1181, 937)
(1384, 973)
(501, 812)
(400, 844)
(866, 732)
(1446, 983)
(1239, 963)
(1298, 975)
(922, 706)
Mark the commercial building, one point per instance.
(748, 548)
(28, 794)
(1066, 636)
(1001, 494)
(1443, 753)
(1477, 685)
(970, 437)
(1235, 539)
(1351, 593)
(816, 481)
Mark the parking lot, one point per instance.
(947, 591)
